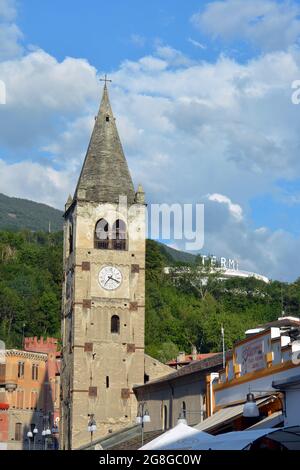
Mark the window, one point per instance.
(183, 409)
(164, 412)
(115, 324)
(107, 381)
(18, 431)
(35, 372)
(33, 400)
(101, 235)
(70, 238)
(107, 118)
(106, 238)
(119, 235)
(2, 371)
(146, 378)
(21, 367)
(20, 399)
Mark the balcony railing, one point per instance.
(101, 244)
(113, 244)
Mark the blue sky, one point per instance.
(202, 95)
(106, 33)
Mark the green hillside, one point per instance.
(176, 256)
(18, 214)
(177, 313)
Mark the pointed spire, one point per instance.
(69, 202)
(140, 195)
(105, 175)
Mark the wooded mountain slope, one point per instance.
(177, 314)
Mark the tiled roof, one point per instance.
(195, 366)
(189, 358)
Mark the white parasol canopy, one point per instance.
(180, 433)
(289, 437)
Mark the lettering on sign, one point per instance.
(253, 357)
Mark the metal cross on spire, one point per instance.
(105, 80)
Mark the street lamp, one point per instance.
(92, 427)
(34, 432)
(182, 418)
(142, 417)
(250, 409)
(29, 436)
(45, 434)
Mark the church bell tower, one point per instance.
(103, 303)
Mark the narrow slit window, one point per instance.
(115, 324)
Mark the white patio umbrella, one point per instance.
(179, 433)
(238, 440)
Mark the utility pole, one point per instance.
(223, 346)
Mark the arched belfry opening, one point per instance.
(110, 238)
(101, 236)
(119, 235)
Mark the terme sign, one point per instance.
(223, 263)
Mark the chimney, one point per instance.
(194, 353)
(181, 356)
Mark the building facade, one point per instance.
(182, 392)
(266, 364)
(103, 291)
(27, 400)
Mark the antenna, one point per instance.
(23, 335)
(223, 346)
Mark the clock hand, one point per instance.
(110, 278)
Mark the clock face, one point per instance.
(110, 277)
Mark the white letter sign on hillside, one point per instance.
(224, 263)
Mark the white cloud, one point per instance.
(172, 56)
(196, 43)
(263, 251)
(189, 129)
(268, 24)
(43, 97)
(10, 34)
(234, 209)
(8, 11)
(36, 182)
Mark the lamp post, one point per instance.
(92, 427)
(46, 433)
(182, 418)
(34, 432)
(29, 436)
(142, 417)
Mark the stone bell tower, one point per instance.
(103, 290)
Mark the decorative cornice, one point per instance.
(26, 354)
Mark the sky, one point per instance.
(202, 94)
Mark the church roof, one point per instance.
(105, 175)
